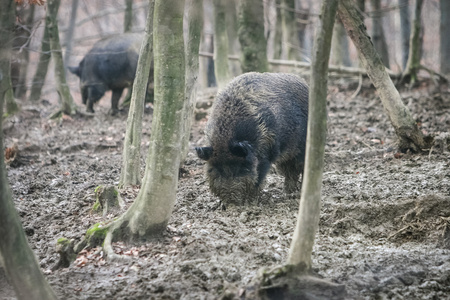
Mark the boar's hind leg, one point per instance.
(90, 105)
(263, 169)
(116, 94)
(291, 171)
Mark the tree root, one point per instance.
(287, 282)
(65, 249)
(107, 247)
(410, 77)
(359, 87)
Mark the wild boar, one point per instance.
(110, 65)
(258, 119)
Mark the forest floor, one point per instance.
(384, 227)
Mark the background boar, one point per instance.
(109, 65)
(258, 120)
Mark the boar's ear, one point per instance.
(240, 149)
(204, 153)
(75, 70)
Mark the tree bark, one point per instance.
(19, 262)
(131, 158)
(42, 68)
(21, 49)
(128, 22)
(303, 28)
(444, 31)
(221, 68)
(251, 36)
(67, 104)
(409, 135)
(378, 38)
(339, 45)
(413, 63)
(290, 46)
(233, 43)
(206, 65)
(309, 211)
(270, 19)
(192, 45)
(69, 34)
(7, 14)
(361, 4)
(405, 28)
(150, 212)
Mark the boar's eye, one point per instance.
(240, 149)
(204, 153)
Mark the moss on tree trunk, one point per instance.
(149, 214)
(7, 14)
(378, 37)
(290, 48)
(192, 44)
(131, 158)
(251, 36)
(413, 63)
(67, 104)
(42, 68)
(128, 20)
(21, 49)
(221, 68)
(309, 211)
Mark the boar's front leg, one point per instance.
(291, 171)
(116, 94)
(90, 105)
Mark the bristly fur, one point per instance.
(259, 119)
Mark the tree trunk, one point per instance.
(150, 212)
(19, 262)
(378, 38)
(221, 69)
(409, 135)
(405, 28)
(21, 49)
(7, 14)
(192, 45)
(206, 64)
(131, 164)
(339, 44)
(309, 211)
(444, 36)
(413, 64)
(290, 48)
(251, 36)
(233, 43)
(361, 4)
(42, 68)
(69, 35)
(128, 22)
(67, 104)
(270, 15)
(303, 28)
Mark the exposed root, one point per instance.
(107, 247)
(359, 87)
(287, 282)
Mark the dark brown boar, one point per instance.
(258, 119)
(110, 65)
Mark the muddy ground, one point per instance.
(384, 227)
